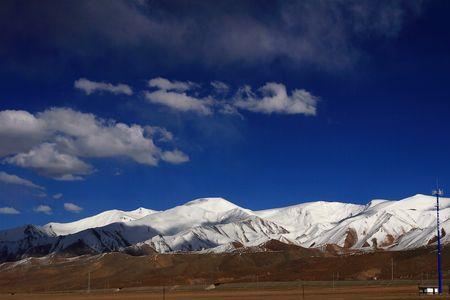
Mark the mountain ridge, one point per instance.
(216, 224)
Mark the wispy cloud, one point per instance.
(167, 85)
(72, 207)
(220, 87)
(14, 179)
(175, 157)
(327, 34)
(45, 209)
(90, 87)
(179, 101)
(57, 196)
(9, 211)
(40, 195)
(271, 98)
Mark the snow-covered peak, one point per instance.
(212, 204)
(99, 220)
(141, 212)
(193, 213)
(422, 202)
(418, 202)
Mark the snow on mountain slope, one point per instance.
(24, 240)
(53, 237)
(420, 237)
(23, 232)
(310, 219)
(215, 224)
(194, 213)
(99, 220)
(87, 236)
(382, 223)
(212, 236)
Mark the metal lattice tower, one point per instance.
(438, 192)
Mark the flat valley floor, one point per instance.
(277, 275)
(279, 293)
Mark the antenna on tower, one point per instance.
(438, 192)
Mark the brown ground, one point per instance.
(230, 271)
(286, 293)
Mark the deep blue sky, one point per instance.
(381, 72)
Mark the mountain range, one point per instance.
(213, 225)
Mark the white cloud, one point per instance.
(57, 196)
(63, 137)
(270, 98)
(13, 179)
(90, 87)
(72, 207)
(19, 131)
(167, 85)
(220, 87)
(175, 157)
(43, 209)
(228, 109)
(47, 161)
(9, 211)
(179, 101)
(89, 136)
(173, 95)
(160, 133)
(275, 99)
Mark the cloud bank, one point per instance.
(56, 142)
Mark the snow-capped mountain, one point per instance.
(215, 225)
(387, 224)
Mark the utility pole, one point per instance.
(438, 192)
(257, 285)
(89, 282)
(392, 268)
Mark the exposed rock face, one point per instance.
(351, 238)
(388, 241)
